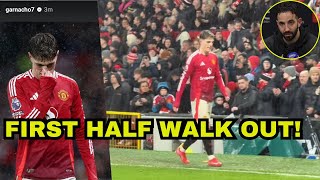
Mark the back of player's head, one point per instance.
(287, 7)
(205, 34)
(43, 47)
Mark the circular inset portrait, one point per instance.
(290, 30)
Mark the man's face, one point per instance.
(266, 65)
(243, 84)
(314, 77)
(206, 44)
(153, 26)
(113, 79)
(219, 36)
(247, 46)
(225, 55)
(238, 26)
(241, 59)
(136, 76)
(39, 67)
(110, 5)
(125, 24)
(185, 47)
(196, 44)
(303, 77)
(288, 24)
(167, 43)
(136, 21)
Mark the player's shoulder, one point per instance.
(194, 55)
(63, 77)
(22, 77)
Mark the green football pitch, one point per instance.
(128, 164)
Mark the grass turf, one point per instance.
(143, 164)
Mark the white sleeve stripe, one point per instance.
(36, 115)
(33, 110)
(33, 114)
(14, 91)
(10, 87)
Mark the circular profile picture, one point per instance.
(290, 30)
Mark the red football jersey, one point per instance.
(48, 97)
(203, 71)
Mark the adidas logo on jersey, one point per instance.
(202, 64)
(34, 97)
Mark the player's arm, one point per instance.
(219, 81)
(85, 146)
(183, 80)
(20, 104)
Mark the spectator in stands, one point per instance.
(143, 101)
(167, 43)
(223, 16)
(219, 42)
(146, 65)
(163, 102)
(116, 63)
(307, 97)
(249, 50)
(245, 100)
(187, 13)
(184, 34)
(184, 48)
(196, 43)
(104, 43)
(241, 66)
(220, 107)
(228, 65)
(127, 89)
(173, 80)
(238, 34)
(147, 7)
(126, 28)
(111, 10)
(153, 55)
(303, 77)
(254, 62)
(286, 94)
(112, 29)
(137, 23)
(117, 98)
(266, 69)
(311, 61)
(291, 33)
(265, 96)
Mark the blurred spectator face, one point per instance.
(157, 38)
(125, 23)
(175, 77)
(144, 87)
(137, 76)
(309, 62)
(163, 92)
(286, 76)
(103, 43)
(111, 30)
(113, 79)
(218, 36)
(230, 27)
(219, 101)
(243, 84)
(115, 38)
(303, 77)
(189, 52)
(172, 20)
(110, 5)
(113, 56)
(266, 65)
(144, 3)
(196, 44)
(238, 26)
(225, 56)
(143, 15)
(152, 53)
(314, 77)
(288, 24)
(153, 26)
(198, 14)
(241, 59)
(143, 34)
(136, 21)
(145, 61)
(167, 43)
(185, 47)
(247, 46)
(239, 64)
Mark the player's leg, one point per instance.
(199, 110)
(213, 161)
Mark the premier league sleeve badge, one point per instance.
(15, 105)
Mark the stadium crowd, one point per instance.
(145, 45)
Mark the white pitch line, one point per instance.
(222, 170)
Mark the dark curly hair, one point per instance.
(43, 47)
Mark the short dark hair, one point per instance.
(242, 77)
(206, 34)
(286, 7)
(43, 47)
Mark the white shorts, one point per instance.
(203, 110)
(70, 178)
